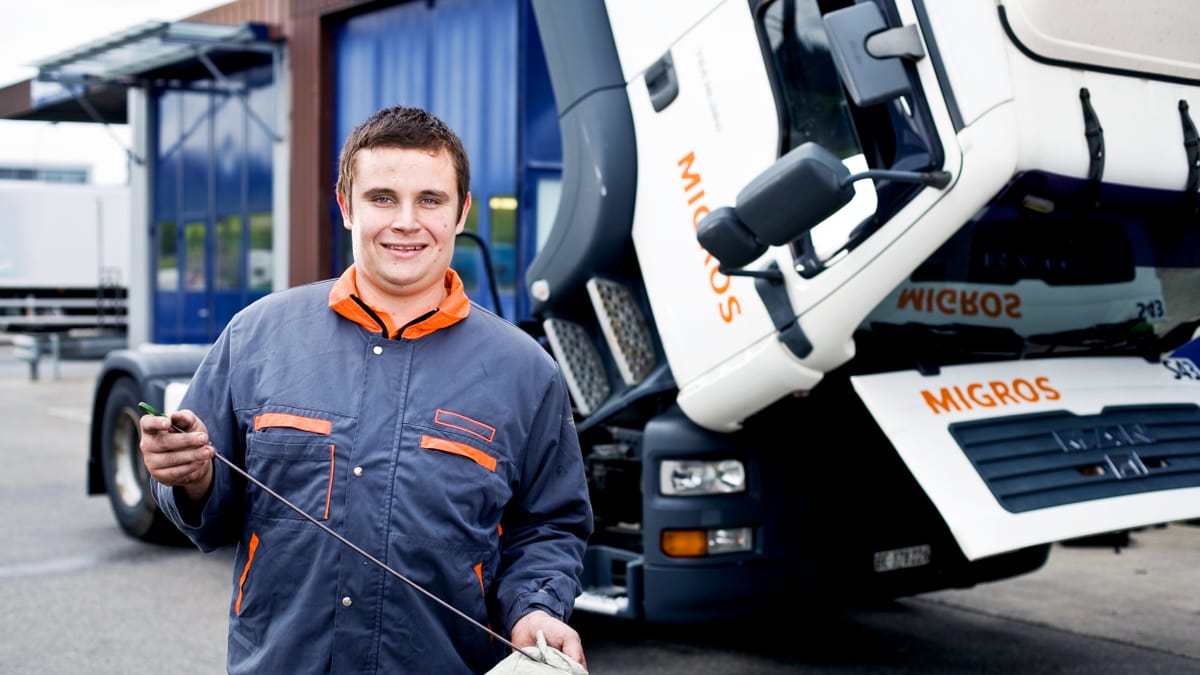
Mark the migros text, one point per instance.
(727, 303)
(990, 394)
(951, 301)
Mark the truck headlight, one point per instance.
(680, 478)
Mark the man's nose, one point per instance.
(403, 218)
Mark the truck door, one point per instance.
(711, 114)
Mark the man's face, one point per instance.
(403, 214)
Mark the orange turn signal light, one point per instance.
(684, 543)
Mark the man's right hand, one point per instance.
(178, 459)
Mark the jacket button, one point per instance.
(378, 350)
(346, 601)
(358, 471)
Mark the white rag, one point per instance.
(538, 660)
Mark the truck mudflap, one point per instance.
(1020, 453)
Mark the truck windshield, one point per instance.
(810, 92)
(812, 107)
(1054, 264)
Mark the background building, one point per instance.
(236, 116)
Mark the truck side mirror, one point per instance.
(868, 54)
(794, 195)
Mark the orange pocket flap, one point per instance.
(476, 455)
(268, 420)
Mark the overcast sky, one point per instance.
(31, 30)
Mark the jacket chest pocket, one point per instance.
(456, 476)
(295, 457)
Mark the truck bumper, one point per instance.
(1015, 454)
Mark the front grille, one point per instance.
(1050, 459)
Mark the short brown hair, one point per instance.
(403, 127)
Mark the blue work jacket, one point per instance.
(445, 448)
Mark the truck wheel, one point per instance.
(125, 476)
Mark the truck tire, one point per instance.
(125, 476)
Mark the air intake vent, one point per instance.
(625, 329)
(580, 362)
(1037, 461)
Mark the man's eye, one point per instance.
(382, 201)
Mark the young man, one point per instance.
(427, 431)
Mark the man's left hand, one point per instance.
(557, 633)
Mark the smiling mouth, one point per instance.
(406, 249)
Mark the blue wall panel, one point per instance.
(195, 138)
(228, 139)
(260, 139)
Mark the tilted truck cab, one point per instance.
(929, 331)
(853, 299)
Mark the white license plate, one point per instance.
(901, 558)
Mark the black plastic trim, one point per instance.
(775, 299)
(1037, 461)
(939, 66)
(595, 215)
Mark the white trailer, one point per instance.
(64, 256)
(64, 269)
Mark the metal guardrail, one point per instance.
(64, 321)
(62, 313)
(59, 345)
(42, 304)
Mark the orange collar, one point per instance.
(344, 300)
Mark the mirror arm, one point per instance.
(772, 275)
(935, 179)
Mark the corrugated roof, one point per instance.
(145, 48)
(88, 82)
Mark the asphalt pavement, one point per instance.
(82, 597)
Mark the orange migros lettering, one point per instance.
(954, 301)
(727, 305)
(990, 394)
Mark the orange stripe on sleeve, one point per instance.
(478, 456)
(479, 575)
(237, 606)
(329, 491)
(269, 420)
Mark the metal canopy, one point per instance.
(142, 49)
(88, 83)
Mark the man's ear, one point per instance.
(462, 217)
(344, 206)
